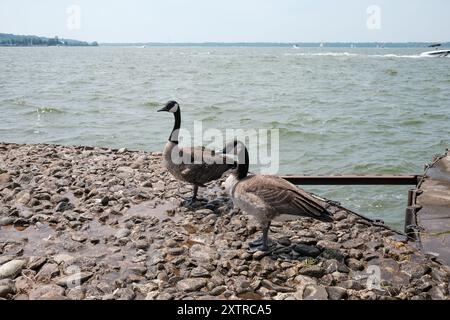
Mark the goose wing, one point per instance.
(201, 165)
(283, 197)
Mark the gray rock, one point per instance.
(355, 264)
(176, 251)
(104, 201)
(353, 244)
(191, 284)
(312, 271)
(271, 286)
(47, 292)
(218, 290)
(164, 296)
(315, 292)
(204, 212)
(79, 237)
(350, 284)
(415, 270)
(336, 293)
(6, 221)
(200, 272)
(122, 233)
(63, 258)
(11, 269)
(36, 262)
(5, 290)
(74, 280)
(436, 293)
(258, 255)
(332, 254)
(202, 253)
(48, 271)
(64, 206)
(125, 294)
(126, 170)
(77, 293)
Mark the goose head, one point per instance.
(171, 106)
(174, 108)
(239, 151)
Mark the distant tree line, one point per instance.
(27, 41)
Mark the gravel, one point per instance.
(97, 224)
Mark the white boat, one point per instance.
(436, 53)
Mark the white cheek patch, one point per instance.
(174, 108)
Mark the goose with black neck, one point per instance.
(268, 196)
(195, 165)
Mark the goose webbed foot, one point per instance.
(256, 243)
(189, 202)
(261, 244)
(253, 247)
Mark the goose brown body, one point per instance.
(268, 196)
(195, 165)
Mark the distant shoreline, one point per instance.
(378, 45)
(12, 40)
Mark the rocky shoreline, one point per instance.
(92, 223)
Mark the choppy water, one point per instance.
(338, 110)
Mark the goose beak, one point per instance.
(162, 109)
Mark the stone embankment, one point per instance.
(92, 223)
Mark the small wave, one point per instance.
(412, 122)
(414, 56)
(209, 118)
(391, 72)
(152, 104)
(323, 54)
(44, 110)
(348, 54)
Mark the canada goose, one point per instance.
(267, 196)
(195, 165)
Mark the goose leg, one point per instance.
(193, 199)
(262, 244)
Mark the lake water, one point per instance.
(338, 110)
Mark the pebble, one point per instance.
(312, 271)
(315, 292)
(47, 292)
(4, 291)
(73, 280)
(115, 220)
(5, 221)
(122, 233)
(191, 284)
(200, 272)
(336, 293)
(11, 269)
(63, 258)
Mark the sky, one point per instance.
(230, 20)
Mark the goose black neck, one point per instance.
(176, 128)
(242, 168)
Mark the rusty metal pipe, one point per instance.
(354, 180)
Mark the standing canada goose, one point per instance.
(268, 196)
(195, 165)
